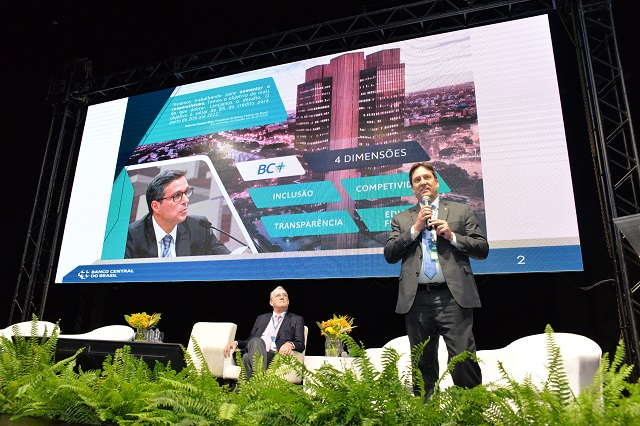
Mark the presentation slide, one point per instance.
(295, 171)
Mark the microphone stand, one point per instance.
(206, 224)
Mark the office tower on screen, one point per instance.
(353, 101)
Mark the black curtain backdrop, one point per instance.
(120, 35)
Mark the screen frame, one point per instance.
(325, 264)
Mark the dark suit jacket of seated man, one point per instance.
(167, 197)
(192, 239)
(289, 336)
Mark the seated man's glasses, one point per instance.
(281, 295)
(177, 197)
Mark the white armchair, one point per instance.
(231, 371)
(526, 356)
(292, 376)
(211, 337)
(401, 345)
(580, 355)
(108, 332)
(24, 329)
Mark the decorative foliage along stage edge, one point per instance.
(127, 391)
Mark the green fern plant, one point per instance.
(270, 399)
(126, 391)
(610, 399)
(363, 395)
(26, 364)
(457, 405)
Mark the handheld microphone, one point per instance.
(427, 202)
(206, 224)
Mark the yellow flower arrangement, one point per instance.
(142, 320)
(334, 327)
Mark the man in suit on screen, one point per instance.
(437, 291)
(167, 230)
(279, 331)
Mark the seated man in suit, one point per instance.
(279, 331)
(167, 231)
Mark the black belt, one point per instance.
(432, 286)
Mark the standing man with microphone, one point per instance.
(437, 291)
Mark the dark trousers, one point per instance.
(256, 344)
(434, 314)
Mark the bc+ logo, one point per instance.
(270, 168)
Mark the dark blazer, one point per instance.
(291, 330)
(192, 239)
(454, 261)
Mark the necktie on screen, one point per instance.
(271, 331)
(166, 246)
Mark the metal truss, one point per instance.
(614, 149)
(363, 30)
(42, 237)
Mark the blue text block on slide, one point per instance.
(384, 186)
(294, 194)
(378, 219)
(303, 224)
(239, 106)
(366, 156)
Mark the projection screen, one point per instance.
(297, 169)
